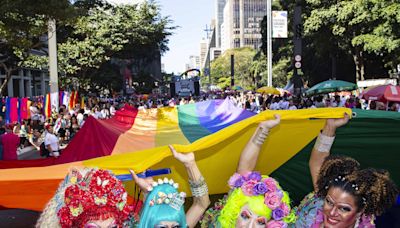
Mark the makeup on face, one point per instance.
(248, 219)
(96, 225)
(339, 209)
(168, 225)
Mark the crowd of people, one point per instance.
(261, 102)
(49, 135)
(66, 122)
(344, 195)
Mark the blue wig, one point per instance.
(157, 213)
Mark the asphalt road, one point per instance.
(17, 218)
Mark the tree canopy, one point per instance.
(96, 33)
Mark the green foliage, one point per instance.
(98, 33)
(221, 68)
(357, 26)
(22, 26)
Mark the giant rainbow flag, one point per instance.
(216, 131)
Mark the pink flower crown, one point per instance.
(253, 184)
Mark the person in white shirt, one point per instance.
(51, 142)
(253, 106)
(284, 104)
(58, 124)
(291, 105)
(112, 110)
(79, 117)
(275, 104)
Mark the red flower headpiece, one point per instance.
(96, 196)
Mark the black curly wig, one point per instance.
(334, 166)
(373, 189)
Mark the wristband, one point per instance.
(324, 143)
(260, 136)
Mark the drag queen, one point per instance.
(93, 198)
(163, 205)
(254, 200)
(344, 195)
(89, 198)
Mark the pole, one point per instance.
(232, 70)
(53, 64)
(209, 67)
(269, 42)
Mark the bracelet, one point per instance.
(260, 136)
(324, 143)
(195, 184)
(199, 188)
(199, 191)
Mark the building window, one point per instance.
(236, 43)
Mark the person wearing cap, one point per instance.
(10, 142)
(51, 142)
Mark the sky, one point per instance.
(191, 16)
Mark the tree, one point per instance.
(128, 32)
(220, 68)
(358, 26)
(22, 26)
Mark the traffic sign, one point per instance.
(297, 58)
(297, 65)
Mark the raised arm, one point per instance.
(198, 186)
(249, 156)
(323, 146)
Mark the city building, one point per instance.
(26, 82)
(219, 18)
(194, 62)
(203, 51)
(241, 26)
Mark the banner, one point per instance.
(279, 24)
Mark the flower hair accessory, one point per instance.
(96, 195)
(174, 200)
(253, 184)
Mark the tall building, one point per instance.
(241, 25)
(194, 62)
(203, 51)
(219, 18)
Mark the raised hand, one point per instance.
(335, 123)
(143, 183)
(186, 158)
(271, 123)
(332, 124)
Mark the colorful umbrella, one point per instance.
(331, 86)
(383, 93)
(236, 87)
(268, 90)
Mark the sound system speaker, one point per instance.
(172, 89)
(196, 88)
